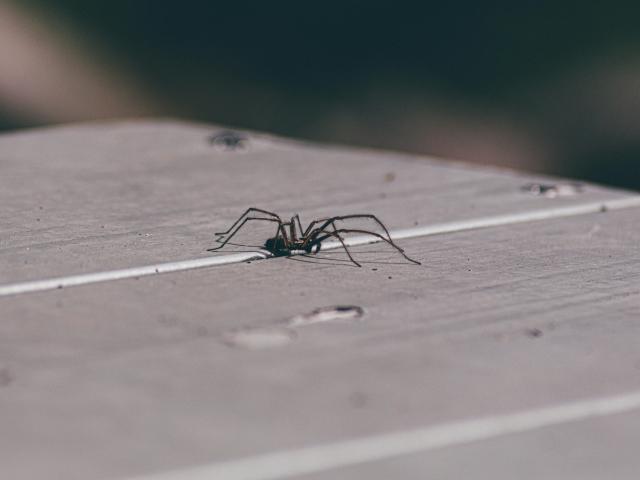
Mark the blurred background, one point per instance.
(546, 86)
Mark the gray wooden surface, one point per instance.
(199, 368)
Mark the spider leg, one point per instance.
(389, 241)
(372, 217)
(283, 231)
(328, 221)
(297, 218)
(249, 210)
(318, 237)
(344, 245)
(279, 230)
(336, 234)
(230, 236)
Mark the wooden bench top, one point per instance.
(511, 352)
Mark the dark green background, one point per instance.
(286, 66)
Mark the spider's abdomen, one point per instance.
(277, 246)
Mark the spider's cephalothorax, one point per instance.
(291, 238)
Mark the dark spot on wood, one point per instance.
(326, 314)
(228, 140)
(534, 332)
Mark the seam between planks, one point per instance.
(320, 458)
(421, 231)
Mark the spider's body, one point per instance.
(281, 248)
(291, 238)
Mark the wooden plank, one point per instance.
(347, 239)
(155, 374)
(91, 198)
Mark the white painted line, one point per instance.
(289, 463)
(83, 279)
(496, 221)
(436, 229)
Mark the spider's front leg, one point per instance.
(371, 217)
(390, 242)
(310, 228)
(316, 241)
(296, 217)
(328, 221)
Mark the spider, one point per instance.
(291, 238)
